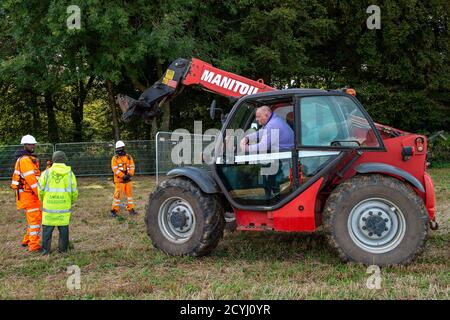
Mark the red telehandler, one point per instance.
(364, 182)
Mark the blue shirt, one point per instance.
(265, 139)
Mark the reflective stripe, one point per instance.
(115, 167)
(117, 172)
(26, 174)
(59, 190)
(21, 190)
(32, 210)
(46, 180)
(16, 172)
(70, 182)
(130, 202)
(34, 226)
(34, 233)
(34, 185)
(56, 211)
(16, 183)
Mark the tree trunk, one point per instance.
(52, 125)
(77, 119)
(112, 104)
(165, 121)
(33, 105)
(78, 109)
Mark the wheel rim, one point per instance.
(176, 220)
(376, 225)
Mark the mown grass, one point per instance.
(117, 260)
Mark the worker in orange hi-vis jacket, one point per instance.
(122, 165)
(25, 183)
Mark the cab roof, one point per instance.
(266, 97)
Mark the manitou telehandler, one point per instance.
(364, 182)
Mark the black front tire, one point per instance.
(208, 216)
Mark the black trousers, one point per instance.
(47, 232)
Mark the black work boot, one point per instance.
(132, 212)
(113, 213)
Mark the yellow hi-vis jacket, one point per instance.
(57, 192)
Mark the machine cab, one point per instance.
(321, 128)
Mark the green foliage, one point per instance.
(53, 80)
(440, 151)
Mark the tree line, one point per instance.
(59, 83)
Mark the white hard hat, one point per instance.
(120, 144)
(28, 140)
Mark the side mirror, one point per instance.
(212, 109)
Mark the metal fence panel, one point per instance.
(88, 158)
(143, 153)
(94, 158)
(43, 151)
(165, 144)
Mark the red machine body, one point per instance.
(303, 214)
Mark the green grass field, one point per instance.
(117, 260)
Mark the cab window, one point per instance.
(334, 121)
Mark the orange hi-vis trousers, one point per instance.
(33, 215)
(123, 189)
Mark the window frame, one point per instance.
(371, 123)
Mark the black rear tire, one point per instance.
(207, 216)
(400, 198)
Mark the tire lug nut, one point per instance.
(370, 234)
(370, 213)
(379, 213)
(364, 227)
(364, 219)
(386, 229)
(386, 220)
